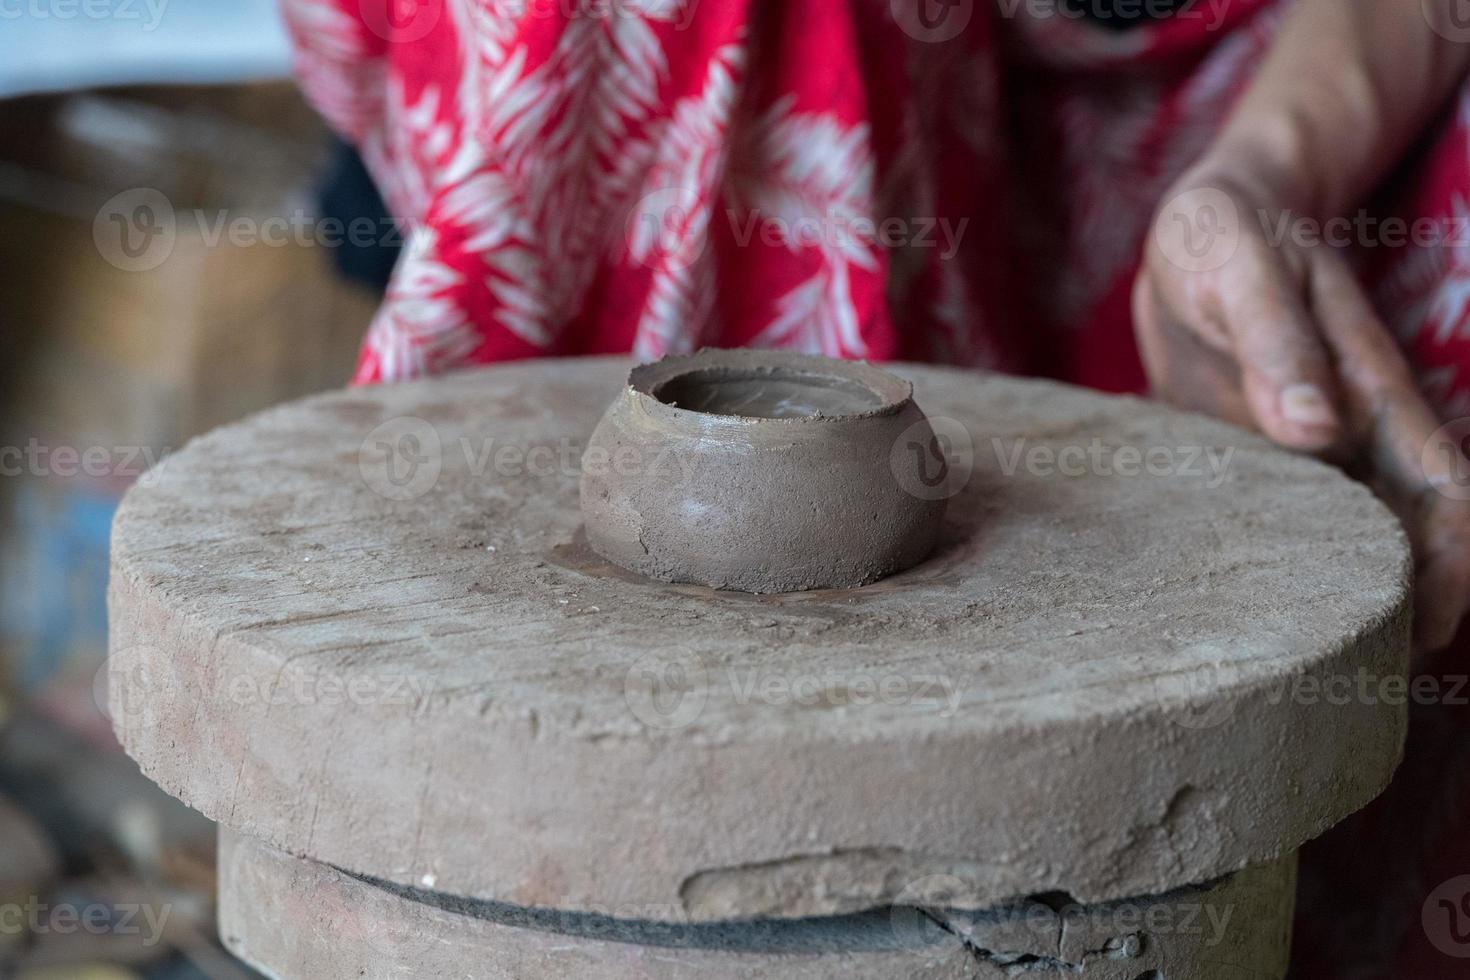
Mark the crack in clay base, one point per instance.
(764, 472)
(347, 926)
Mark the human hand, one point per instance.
(1278, 335)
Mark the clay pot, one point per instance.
(763, 471)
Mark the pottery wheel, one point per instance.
(364, 629)
(291, 917)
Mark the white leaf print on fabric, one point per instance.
(803, 173)
(334, 66)
(567, 148)
(407, 154)
(669, 227)
(420, 328)
(1428, 289)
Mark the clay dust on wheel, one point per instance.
(1079, 690)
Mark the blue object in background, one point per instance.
(64, 45)
(54, 604)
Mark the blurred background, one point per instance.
(137, 311)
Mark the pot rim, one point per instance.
(648, 382)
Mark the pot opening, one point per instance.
(767, 393)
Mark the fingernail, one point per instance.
(1305, 404)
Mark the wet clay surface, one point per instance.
(764, 472)
(1088, 689)
(768, 395)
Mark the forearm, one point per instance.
(1345, 89)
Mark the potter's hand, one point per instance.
(1273, 332)
(1277, 333)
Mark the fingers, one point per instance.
(1287, 341)
(1254, 305)
(1442, 592)
(1386, 412)
(1286, 372)
(1394, 423)
(1183, 370)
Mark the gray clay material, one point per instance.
(763, 471)
(293, 918)
(1106, 684)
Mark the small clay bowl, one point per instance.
(762, 471)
